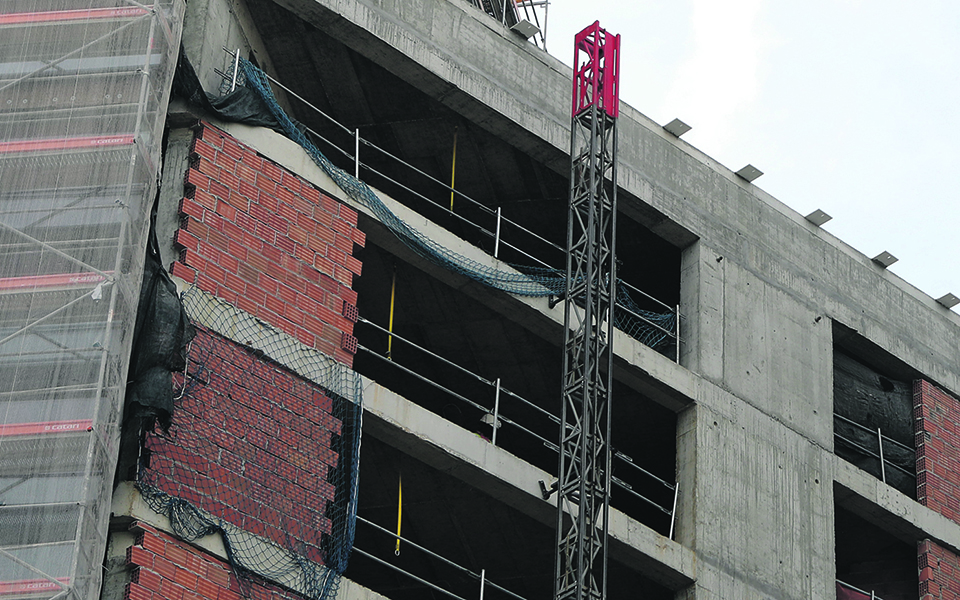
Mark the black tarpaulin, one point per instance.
(239, 106)
(160, 338)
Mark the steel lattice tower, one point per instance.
(583, 488)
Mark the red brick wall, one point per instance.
(164, 568)
(251, 443)
(268, 242)
(939, 572)
(937, 420)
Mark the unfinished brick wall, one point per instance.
(937, 418)
(270, 243)
(164, 568)
(939, 572)
(937, 421)
(251, 443)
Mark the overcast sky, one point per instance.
(851, 106)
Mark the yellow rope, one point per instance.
(399, 512)
(453, 169)
(393, 294)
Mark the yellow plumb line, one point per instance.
(399, 512)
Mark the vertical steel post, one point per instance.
(356, 153)
(673, 511)
(677, 333)
(883, 468)
(496, 413)
(496, 237)
(583, 486)
(236, 70)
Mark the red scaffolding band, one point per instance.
(47, 427)
(596, 71)
(49, 16)
(48, 282)
(21, 587)
(76, 143)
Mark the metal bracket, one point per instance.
(546, 492)
(555, 300)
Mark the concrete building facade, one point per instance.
(368, 397)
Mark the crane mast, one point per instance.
(583, 486)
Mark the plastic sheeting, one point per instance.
(83, 94)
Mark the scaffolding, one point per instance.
(584, 474)
(83, 95)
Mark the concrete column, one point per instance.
(701, 304)
(176, 160)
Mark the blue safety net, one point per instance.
(653, 329)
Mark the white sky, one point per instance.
(851, 106)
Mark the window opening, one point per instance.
(873, 412)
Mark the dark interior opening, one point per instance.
(401, 122)
(464, 331)
(871, 559)
(462, 524)
(873, 401)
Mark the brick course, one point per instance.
(937, 422)
(268, 242)
(251, 443)
(165, 568)
(939, 572)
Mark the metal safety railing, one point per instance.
(878, 454)
(495, 229)
(857, 594)
(497, 403)
(483, 583)
(673, 311)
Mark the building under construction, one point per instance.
(285, 311)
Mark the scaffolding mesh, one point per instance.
(650, 328)
(263, 449)
(83, 94)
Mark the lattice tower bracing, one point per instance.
(583, 487)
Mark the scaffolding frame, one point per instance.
(83, 93)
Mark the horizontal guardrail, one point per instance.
(493, 230)
(498, 393)
(881, 439)
(481, 577)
